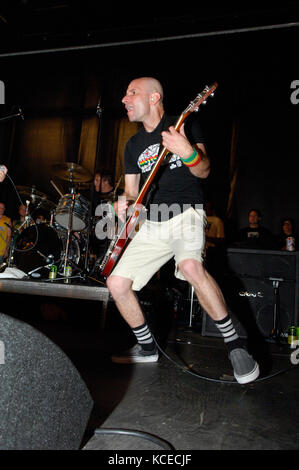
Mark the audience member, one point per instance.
(287, 238)
(255, 236)
(104, 188)
(5, 233)
(20, 222)
(104, 195)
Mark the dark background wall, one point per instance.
(254, 71)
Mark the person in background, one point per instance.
(19, 223)
(103, 187)
(255, 236)
(104, 195)
(287, 238)
(5, 233)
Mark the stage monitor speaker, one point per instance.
(249, 287)
(44, 404)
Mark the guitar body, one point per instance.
(119, 244)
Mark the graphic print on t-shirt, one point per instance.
(147, 159)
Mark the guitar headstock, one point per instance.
(201, 98)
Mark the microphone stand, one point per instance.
(99, 112)
(276, 330)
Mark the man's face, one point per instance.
(22, 211)
(97, 182)
(287, 227)
(253, 218)
(137, 100)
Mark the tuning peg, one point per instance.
(212, 94)
(204, 102)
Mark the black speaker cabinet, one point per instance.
(44, 404)
(257, 285)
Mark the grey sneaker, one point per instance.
(246, 369)
(136, 355)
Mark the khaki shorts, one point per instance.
(183, 237)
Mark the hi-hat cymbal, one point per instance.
(72, 172)
(31, 193)
(35, 197)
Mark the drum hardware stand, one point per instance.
(69, 230)
(191, 296)
(191, 292)
(69, 234)
(276, 330)
(47, 266)
(10, 263)
(24, 225)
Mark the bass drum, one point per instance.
(42, 244)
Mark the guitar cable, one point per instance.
(187, 369)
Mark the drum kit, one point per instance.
(56, 245)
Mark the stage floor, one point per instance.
(205, 410)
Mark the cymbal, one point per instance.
(31, 193)
(35, 197)
(72, 172)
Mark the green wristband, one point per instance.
(113, 209)
(189, 159)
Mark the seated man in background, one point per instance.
(255, 236)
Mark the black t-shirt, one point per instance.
(255, 238)
(174, 184)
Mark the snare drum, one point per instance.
(42, 244)
(80, 212)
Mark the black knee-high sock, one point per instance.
(144, 337)
(231, 337)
